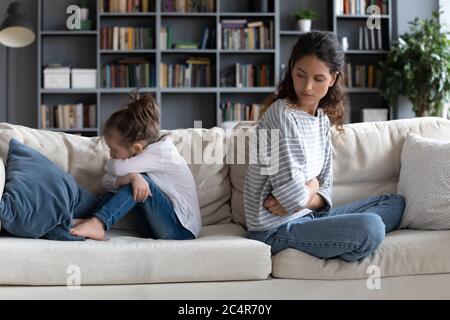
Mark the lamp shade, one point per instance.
(16, 31)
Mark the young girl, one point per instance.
(292, 208)
(148, 176)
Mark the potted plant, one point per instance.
(84, 10)
(84, 15)
(304, 19)
(418, 67)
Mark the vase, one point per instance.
(304, 25)
(84, 14)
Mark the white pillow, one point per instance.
(425, 183)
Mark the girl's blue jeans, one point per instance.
(155, 217)
(350, 232)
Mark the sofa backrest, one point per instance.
(366, 158)
(85, 157)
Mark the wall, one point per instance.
(22, 74)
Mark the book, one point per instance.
(372, 39)
(366, 39)
(380, 40)
(361, 39)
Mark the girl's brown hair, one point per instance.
(138, 120)
(326, 47)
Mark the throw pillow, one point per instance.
(425, 183)
(39, 198)
(2, 182)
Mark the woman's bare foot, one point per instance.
(76, 222)
(92, 229)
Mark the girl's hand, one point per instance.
(272, 204)
(141, 190)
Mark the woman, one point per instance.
(292, 208)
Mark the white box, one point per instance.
(374, 114)
(84, 78)
(57, 78)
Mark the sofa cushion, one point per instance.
(38, 195)
(403, 252)
(2, 181)
(425, 183)
(220, 253)
(204, 151)
(366, 158)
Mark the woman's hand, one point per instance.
(274, 206)
(313, 186)
(141, 189)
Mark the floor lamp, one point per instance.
(16, 31)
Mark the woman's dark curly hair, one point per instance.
(326, 47)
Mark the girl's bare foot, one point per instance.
(92, 229)
(76, 222)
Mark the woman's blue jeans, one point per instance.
(156, 217)
(350, 232)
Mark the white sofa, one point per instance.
(222, 263)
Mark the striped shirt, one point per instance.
(302, 152)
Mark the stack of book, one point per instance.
(239, 112)
(68, 116)
(370, 39)
(240, 34)
(188, 5)
(129, 72)
(196, 72)
(248, 75)
(359, 7)
(123, 6)
(126, 38)
(361, 76)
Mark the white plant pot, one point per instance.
(304, 25)
(84, 14)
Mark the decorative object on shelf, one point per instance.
(16, 31)
(86, 24)
(57, 78)
(417, 67)
(84, 78)
(304, 19)
(344, 43)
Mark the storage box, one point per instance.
(57, 78)
(84, 78)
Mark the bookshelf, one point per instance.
(366, 49)
(258, 40)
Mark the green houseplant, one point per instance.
(304, 19)
(418, 67)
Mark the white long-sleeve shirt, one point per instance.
(304, 153)
(162, 162)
